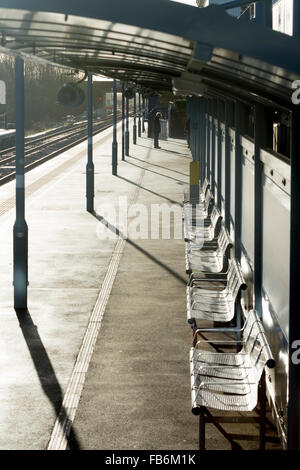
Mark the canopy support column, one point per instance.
(20, 229)
(90, 164)
(263, 13)
(240, 119)
(293, 409)
(143, 113)
(123, 121)
(198, 132)
(213, 148)
(134, 117)
(228, 124)
(114, 142)
(263, 134)
(139, 121)
(219, 154)
(127, 128)
(202, 140)
(240, 116)
(208, 138)
(296, 18)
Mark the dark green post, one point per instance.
(134, 117)
(123, 122)
(139, 121)
(90, 164)
(114, 143)
(20, 229)
(127, 128)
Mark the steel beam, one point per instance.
(20, 229)
(293, 409)
(114, 142)
(90, 164)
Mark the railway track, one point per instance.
(39, 149)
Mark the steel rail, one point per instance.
(31, 165)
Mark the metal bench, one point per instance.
(204, 189)
(200, 228)
(201, 208)
(217, 302)
(209, 258)
(202, 195)
(229, 381)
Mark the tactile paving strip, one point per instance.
(65, 419)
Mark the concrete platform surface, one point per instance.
(100, 360)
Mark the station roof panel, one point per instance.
(120, 51)
(155, 43)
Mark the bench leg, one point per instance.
(194, 326)
(202, 429)
(262, 413)
(238, 325)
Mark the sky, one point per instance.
(188, 2)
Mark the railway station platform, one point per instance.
(100, 359)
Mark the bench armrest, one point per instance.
(216, 330)
(218, 341)
(212, 384)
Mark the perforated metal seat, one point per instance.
(198, 209)
(202, 192)
(209, 259)
(229, 381)
(218, 302)
(202, 229)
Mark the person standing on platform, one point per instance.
(156, 129)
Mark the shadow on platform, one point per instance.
(139, 248)
(45, 371)
(149, 190)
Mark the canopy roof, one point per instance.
(157, 44)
